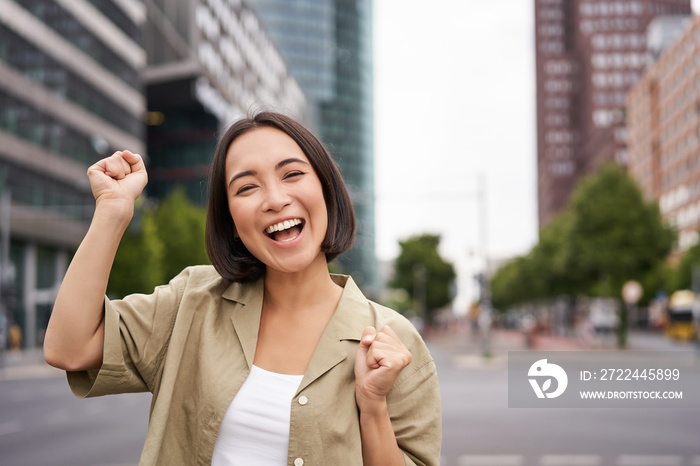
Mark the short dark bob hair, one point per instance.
(229, 256)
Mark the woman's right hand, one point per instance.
(117, 179)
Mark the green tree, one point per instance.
(540, 274)
(181, 226)
(511, 284)
(615, 235)
(422, 272)
(550, 275)
(138, 264)
(159, 243)
(690, 262)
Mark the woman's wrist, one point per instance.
(371, 406)
(114, 211)
(379, 446)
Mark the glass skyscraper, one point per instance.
(70, 94)
(328, 47)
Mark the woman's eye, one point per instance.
(243, 189)
(293, 174)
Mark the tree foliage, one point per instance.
(689, 264)
(421, 267)
(616, 236)
(138, 264)
(181, 226)
(541, 274)
(159, 243)
(607, 235)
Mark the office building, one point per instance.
(663, 124)
(209, 63)
(70, 93)
(328, 46)
(588, 54)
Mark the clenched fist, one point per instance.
(380, 359)
(118, 180)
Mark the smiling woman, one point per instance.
(265, 358)
(230, 257)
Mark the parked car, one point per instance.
(602, 313)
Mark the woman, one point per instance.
(264, 358)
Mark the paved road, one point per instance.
(480, 430)
(41, 423)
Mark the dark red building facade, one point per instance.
(589, 53)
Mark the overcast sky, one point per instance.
(455, 100)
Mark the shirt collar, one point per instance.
(351, 314)
(351, 317)
(244, 292)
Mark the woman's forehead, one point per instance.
(262, 143)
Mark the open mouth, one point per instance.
(285, 231)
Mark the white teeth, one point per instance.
(283, 225)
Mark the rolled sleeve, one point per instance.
(137, 332)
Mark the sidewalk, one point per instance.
(27, 364)
(470, 350)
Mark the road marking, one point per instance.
(491, 460)
(649, 460)
(9, 427)
(570, 460)
(476, 361)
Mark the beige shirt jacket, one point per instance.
(192, 342)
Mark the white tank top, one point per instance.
(255, 429)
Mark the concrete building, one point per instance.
(588, 54)
(663, 124)
(76, 84)
(328, 45)
(70, 93)
(209, 63)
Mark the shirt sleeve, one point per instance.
(416, 414)
(137, 333)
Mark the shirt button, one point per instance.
(302, 401)
(298, 462)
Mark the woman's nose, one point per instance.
(276, 198)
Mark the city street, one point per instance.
(41, 423)
(480, 430)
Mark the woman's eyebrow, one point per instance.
(288, 161)
(241, 175)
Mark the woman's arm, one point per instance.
(380, 359)
(75, 335)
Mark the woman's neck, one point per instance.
(299, 290)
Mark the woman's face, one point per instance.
(276, 200)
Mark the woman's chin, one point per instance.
(294, 265)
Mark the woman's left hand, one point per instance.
(380, 359)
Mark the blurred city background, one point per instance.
(525, 173)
